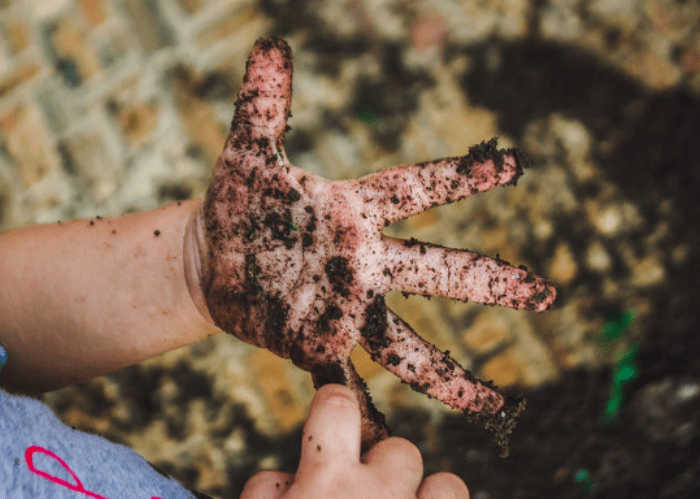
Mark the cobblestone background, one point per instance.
(117, 106)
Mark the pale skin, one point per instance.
(87, 297)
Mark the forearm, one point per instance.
(87, 297)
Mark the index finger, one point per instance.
(332, 431)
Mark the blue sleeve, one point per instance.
(43, 458)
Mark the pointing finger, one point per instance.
(332, 430)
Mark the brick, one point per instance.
(275, 384)
(138, 122)
(18, 77)
(41, 9)
(88, 158)
(152, 30)
(489, 331)
(225, 26)
(190, 6)
(58, 111)
(69, 41)
(94, 11)
(26, 138)
(506, 369)
(17, 36)
(197, 115)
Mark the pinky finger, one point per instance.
(267, 485)
(443, 486)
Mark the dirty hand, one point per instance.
(331, 466)
(298, 264)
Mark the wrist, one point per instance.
(196, 261)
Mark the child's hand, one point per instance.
(331, 466)
(298, 264)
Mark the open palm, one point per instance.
(298, 264)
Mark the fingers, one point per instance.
(428, 370)
(402, 191)
(427, 269)
(443, 486)
(396, 458)
(264, 99)
(374, 428)
(267, 485)
(332, 430)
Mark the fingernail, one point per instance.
(3, 357)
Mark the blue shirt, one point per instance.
(42, 458)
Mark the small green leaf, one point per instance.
(368, 116)
(626, 373)
(616, 325)
(584, 477)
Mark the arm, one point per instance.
(87, 297)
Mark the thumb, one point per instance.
(265, 97)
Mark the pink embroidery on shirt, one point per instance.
(78, 487)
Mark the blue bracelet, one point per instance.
(3, 357)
